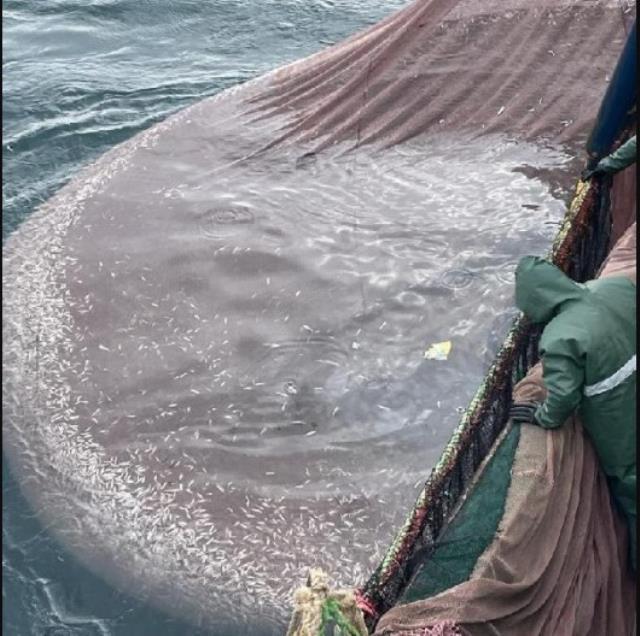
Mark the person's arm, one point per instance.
(563, 377)
(622, 158)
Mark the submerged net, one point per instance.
(579, 249)
(412, 74)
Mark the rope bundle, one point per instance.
(318, 609)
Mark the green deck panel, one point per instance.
(472, 530)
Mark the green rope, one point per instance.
(331, 613)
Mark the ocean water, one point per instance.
(80, 77)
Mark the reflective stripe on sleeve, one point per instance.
(613, 380)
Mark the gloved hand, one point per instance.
(523, 412)
(587, 173)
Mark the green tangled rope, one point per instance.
(332, 613)
(317, 608)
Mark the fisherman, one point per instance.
(622, 158)
(588, 352)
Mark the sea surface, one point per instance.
(80, 77)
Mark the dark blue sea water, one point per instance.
(80, 76)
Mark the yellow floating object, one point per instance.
(438, 350)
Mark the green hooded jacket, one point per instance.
(588, 351)
(622, 158)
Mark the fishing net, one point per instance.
(579, 250)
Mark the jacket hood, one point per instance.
(541, 288)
